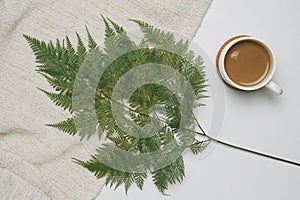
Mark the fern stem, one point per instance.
(253, 152)
(242, 148)
(198, 123)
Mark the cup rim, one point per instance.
(224, 74)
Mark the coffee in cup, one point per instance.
(247, 63)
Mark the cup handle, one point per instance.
(274, 88)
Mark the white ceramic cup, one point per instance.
(266, 82)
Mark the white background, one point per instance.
(257, 120)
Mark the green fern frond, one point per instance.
(139, 179)
(118, 28)
(151, 33)
(53, 60)
(50, 70)
(94, 166)
(71, 53)
(170, 174)
(122, 141)
(161, 38)
(109, 32)
(61, 85)
(81, 50)
(113, 177)
(45, 54)
(91, 42)
(62, 100)
(67, 126)
(58, 49)
(198, 146)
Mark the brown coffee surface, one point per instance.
(247, 63)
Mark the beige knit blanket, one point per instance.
(35, 160)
